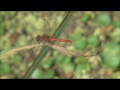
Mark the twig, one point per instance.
(59, 48)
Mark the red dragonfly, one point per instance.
(47, 38)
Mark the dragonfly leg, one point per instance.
(51, 49)
(37, 47)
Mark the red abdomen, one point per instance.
(60, 40)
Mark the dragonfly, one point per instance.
(48, 38)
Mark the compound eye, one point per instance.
(38, 38)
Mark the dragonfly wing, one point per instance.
(48, 28)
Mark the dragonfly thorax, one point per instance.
(43, 38)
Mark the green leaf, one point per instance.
(46, 63)
(37, 74)
(58, 58)
(67, 67)
(1, 17)
(116, 24)
(93, 41)
(82, 67)
(116, 75)
(49, 74)
(116, 34)
(66, 59)
(85, 18)
(104, 19)
(76, 36)
(1, 30)
(80, 45)
(79, 41)
(111, 55)
(4, 68)
(80, 60)
(17, 59)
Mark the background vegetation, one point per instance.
(90, 32)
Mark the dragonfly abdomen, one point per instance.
(60, 40)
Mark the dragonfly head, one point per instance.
(38, 38)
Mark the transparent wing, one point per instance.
(54, 26)
(47, 28)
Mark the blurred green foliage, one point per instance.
(79, 41)
(4, 68)
(111, 55)
(93, 41)
(37, 74)
(21, 28)
(85, 18)
(104, 19)
(47, 63)
(116, 75)
(116, 24)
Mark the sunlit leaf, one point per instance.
(103, 19)
(93, 41)
(49, 74)
(111, 55)
(37, 74)
(85, 18)
(4, 68)
(116, 75)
